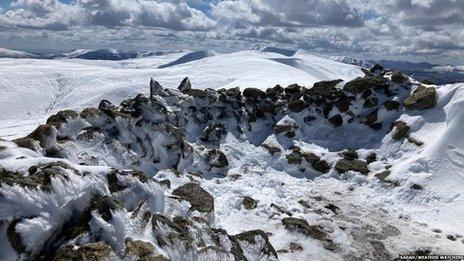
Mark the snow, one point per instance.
(32, 89)
(372, 216)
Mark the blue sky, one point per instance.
(371, 29)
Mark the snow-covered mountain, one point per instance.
(257, 155)
(8, 53)
(351, 60)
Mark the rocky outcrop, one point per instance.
(198, 198)
(422, 98)
(345, 165)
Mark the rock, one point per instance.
(185, 85)
(89, 113)
(336, 120)
(391, 105)
(213, 132)
(296, 105)
(156, 89)
(316, 162)
(372, 157)
(332, 208)
(28, 143)
(371, 118)
(62, 117)
(254, 94)
(97, 251)
(303, 227)
(139, 248)
(349, 154)
(197, 93)
(343, 104)
(414, 141)
(294, 158)
(255, 237)
(417, 187)
(273, 149)
(398, 78)
(249, 203)
(359, 85)
(400, 130)
(14, 237)
(198, 198)
(345, 165)
(421, 99)
(295, 247)
(327, 89)
(216, 158)
(45, 134)
(377, 69)
(382, 175)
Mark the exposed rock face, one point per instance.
(359, 85)
(62, 117)
(185, 85)
(90, 251)
(198, 198)
(422, 98)
(303, 227)
(249, 202)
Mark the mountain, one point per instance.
(189, 57)
(258, 156)
(7, 53)
(351, 60)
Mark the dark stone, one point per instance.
(421, 99)
(198, 198)
(254, 93)
(391, 105)
(336, 120)
(62, 117)
(14, 237)
(217, 158)
(249, 203)
(401, 130)
(382, 175)
(398, 78)
(343, 105)
(45, 134)
(292, 89)
(316, 162)
(303, 227)
(139, 248)
(27, 143)
(372, 157)
(417, 187)
(359, 85)
(327, 89)
(332, 208)
(345, 165)
(371, 118)
(296, 105)
(349, 154)
(271, 148)
(197, 93)
(91, 251)
(371, 102)
(377, 69)
(294, 158)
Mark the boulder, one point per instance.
(345, 165)
(198, 198)
(257, 238)
(249, 203)
(45, 134)
(304, 228)
(371, 102)
(398, 78)
(254, 93)
(273, 149)
(296, 105)
(400, 130)
(359, 85)
(27, 143)
(377, 69)
(316, 162)
(156, 89)
(327, 89)
(91, 251)
(421, 99)
(349, 154)
(372, 157)
(391, 105)
(62, 117)
(216, 158)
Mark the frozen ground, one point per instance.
(366, 219)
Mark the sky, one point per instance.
(413, 30)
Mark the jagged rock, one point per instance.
(178, 230)
(398, 78)
(345, 165)
(294, 158)
(343, 104)
(336, 120)
(255, 237)
(28, 143)
(316, 162)
(349, 154)
(45, 134)
(382, 175)
(400, 130)
(372, 157)
(392, 105)
(91, 251)
(216, 158)
(141, 249)
(371, 118)
(14, 237)
(377, 69)
(417, 187)
(286, 125)
(249, 202)
(303, 227)
(295, 247)
(421, 99)
(156, 89)
(332, 208)
(254, 93)
(296, 105)
(198, 198)
(197, 93)
(359, 85)
(185, 85)
(62, 117)
(327, 89)
(89, 113)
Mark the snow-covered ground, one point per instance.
(33, 89)
(420, 208)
